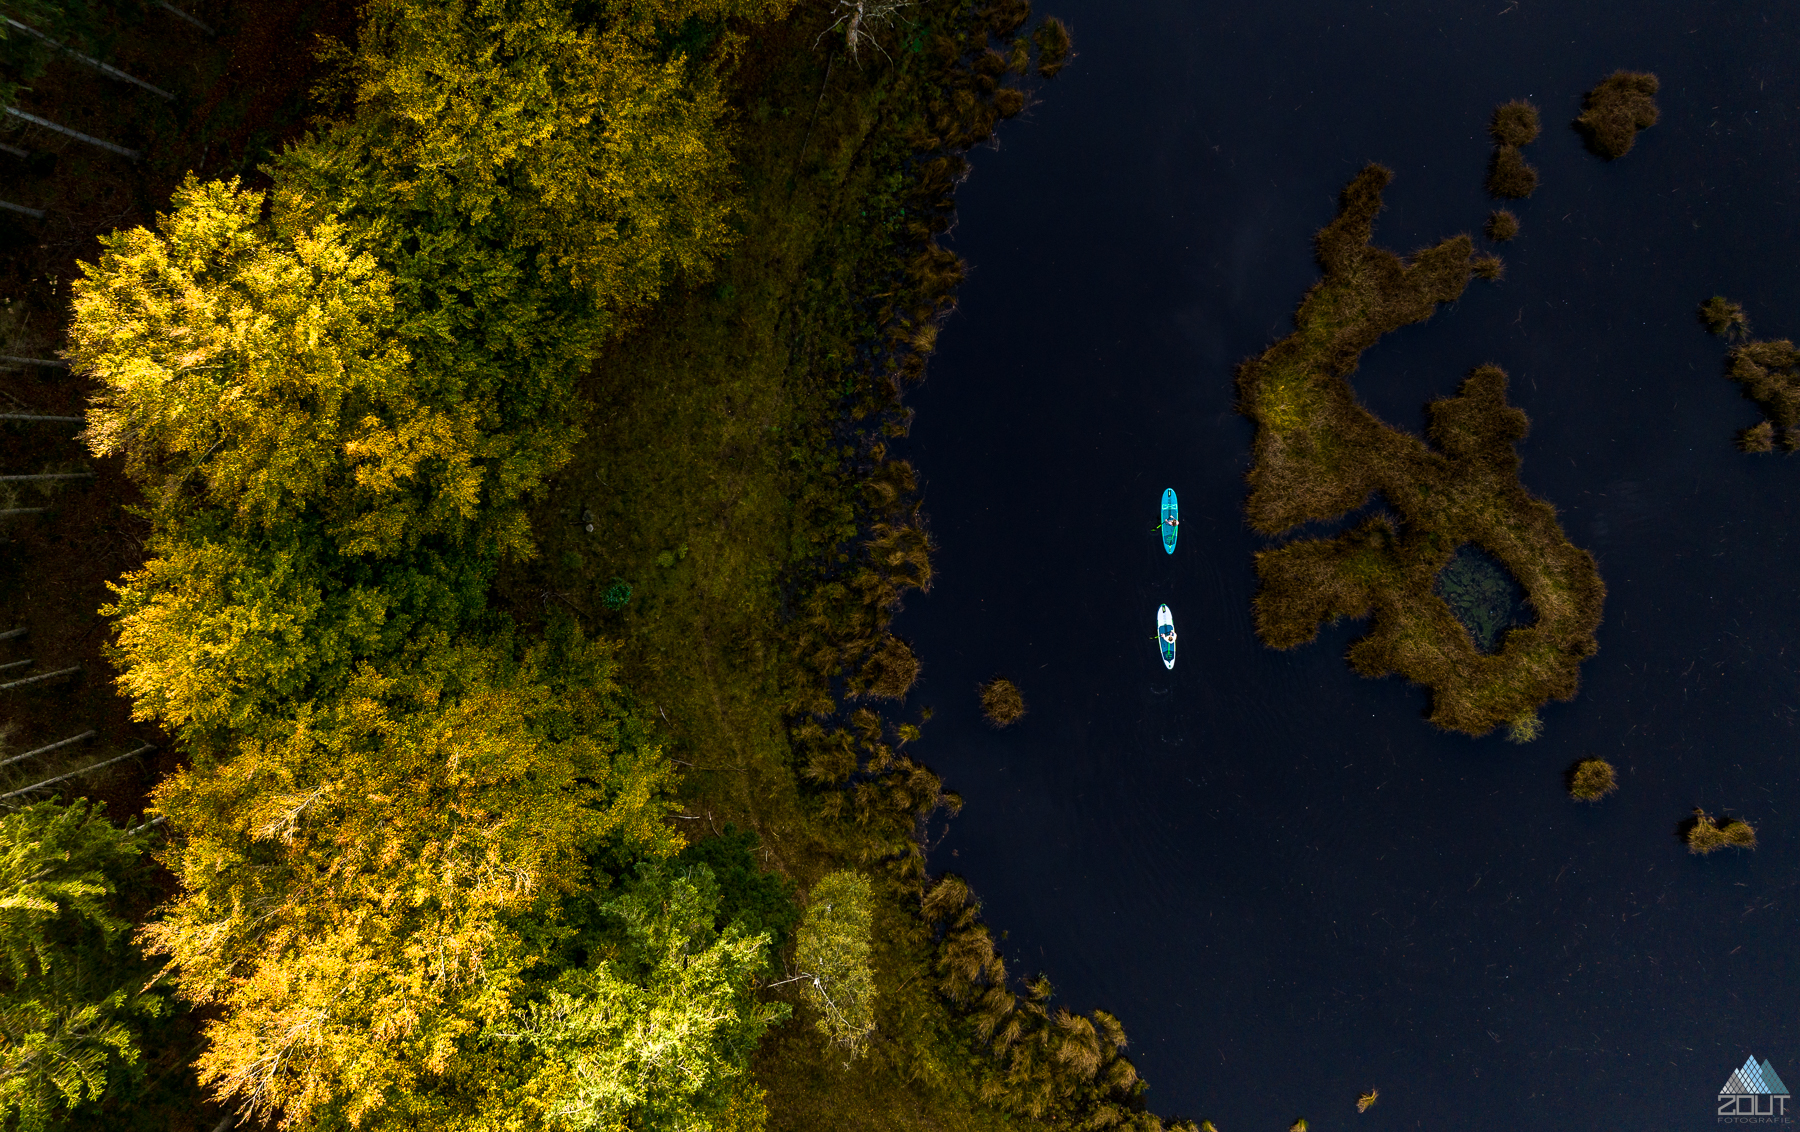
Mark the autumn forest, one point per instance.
(491, 449)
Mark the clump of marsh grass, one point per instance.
(1591, 780)
(1757, 438)
(1367, 1101)
(1298, 1125)
(1724, 317)
(1769, 373)
(1054, 44)
(1509, 175)
(1514, 123)
(1525, 728)
(1613, 112)
(1706, 834)
(1489, 267)
(1501, 225)
(1005, 16)
(891, 673)
(1001, 702)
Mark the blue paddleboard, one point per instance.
(1171, 520)
(1165, 633)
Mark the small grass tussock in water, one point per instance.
(1514, 123)
(1501, 225)
(1001, 702)
(1613, 112)
(1367, 1101)
(1524, 729)
(1724, 317)
(1591, 780)
(1757, 438)
(1707, 834)
(1510, 176)
(1055, 46)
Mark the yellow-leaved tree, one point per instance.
(365, 889)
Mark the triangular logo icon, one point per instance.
(1752, 1075)
(1772, 1081)
(1735, 1085)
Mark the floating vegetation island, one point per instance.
(1768, 372)
(1613, 112)
(1319, 455)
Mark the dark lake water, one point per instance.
(1288, 885)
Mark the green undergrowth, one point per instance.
(1320, 454)
(734, 479)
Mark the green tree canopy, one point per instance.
(71, 989)
(832, 955)
(655, 1030)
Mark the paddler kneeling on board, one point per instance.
(1168, 633)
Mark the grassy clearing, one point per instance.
(1461, 489)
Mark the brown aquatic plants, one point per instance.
(1613, 112)
(1769, 374)
(1055, 45)
(1001, 702)
(1367, 1101)
(1724, 317)
(1707, 834)
(1320, 454)
(1592, 779)
(1514, 123)
(1510, 175)
(1501, 225)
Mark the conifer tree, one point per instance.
(71, 989)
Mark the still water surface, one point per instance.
(1287, 885)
